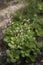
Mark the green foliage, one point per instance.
(22, 36)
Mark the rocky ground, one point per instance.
(5, 13)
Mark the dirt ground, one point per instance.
(5, 13)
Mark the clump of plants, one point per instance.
(22, 36)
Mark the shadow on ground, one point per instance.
(6, 3)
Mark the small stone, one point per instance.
(41, 60)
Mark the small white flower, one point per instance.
(21, 30)
(11, 31)
(29, 30)
(21, 33)
(18, 46)
(17, 30)
(28, 20)
(12, 23)
(18, 34)
(25, 24)
(34, 38)
(35, 15)
(24, 20)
